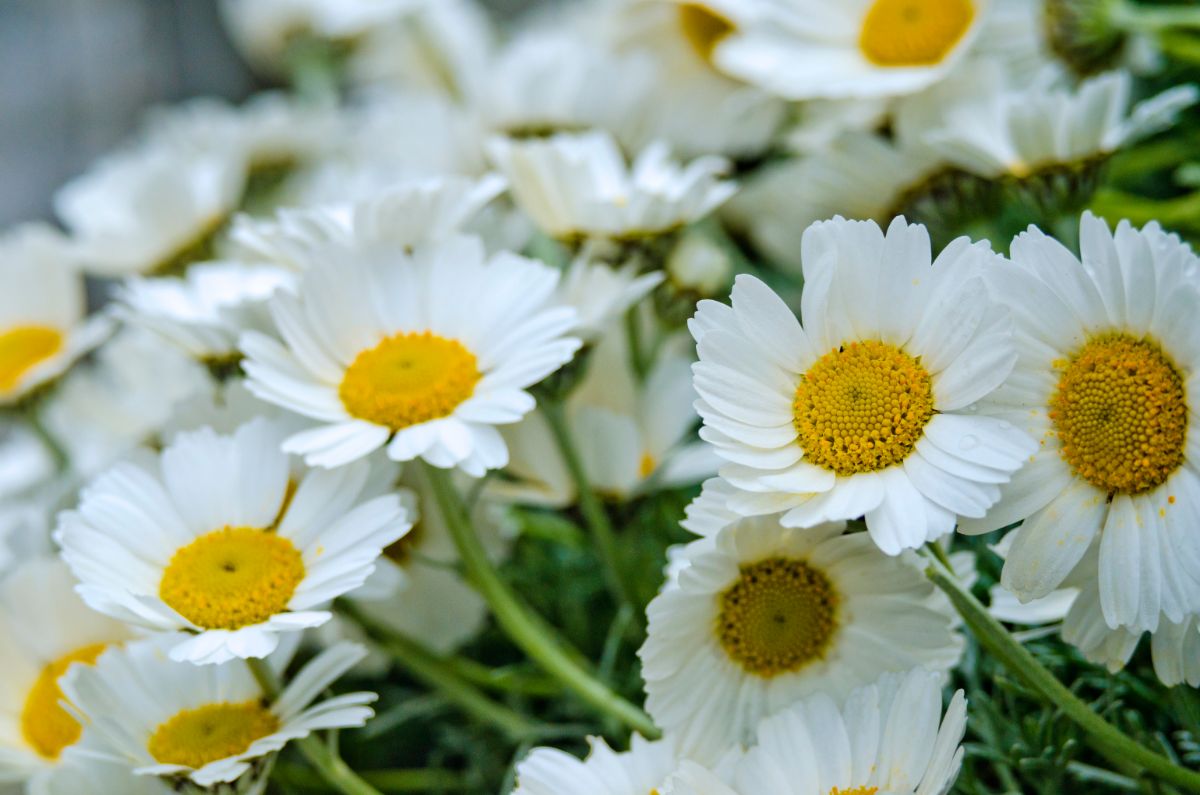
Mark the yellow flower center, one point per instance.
(854, 791)
(24, 347)
(779, 616)
(45, 725)
(196, 737)
(646, 466)
(1121, 413)
(408, 379)
(232, 578)
(913, 32)
(862, 407)
(704, 28)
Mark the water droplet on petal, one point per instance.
(968, 442)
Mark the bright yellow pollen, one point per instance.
(854, 791)
(23, 348)
(196, 737)
(232, 578)
(646, 466)
(44, 724)
(778, 617)
(862, 407)
(913, 32)
(1121, 413)
(408, 379)
(704, 28)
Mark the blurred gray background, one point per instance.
(75, 76)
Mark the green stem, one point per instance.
(637, 352)
(1181, 212)
(1153, 19)
(440, 676)
(527, 630)
(58, 453)
(590, 506)
(506, 679)
(331, 767)
(1101, 735)
(396, 780)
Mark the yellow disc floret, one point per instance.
(1121, 413)
(44, 724)
(902, 33)
(778, 617)
(232, 578)
(854, 791)
(196, 737)
(23, 348)
(408, 379)
(703, 28)
(862, 407)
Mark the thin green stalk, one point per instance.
(506, 679)
(1153, 19)
(590, 506)
(58, 453)
(438, 674)
(328, 764)
(527, 630)
(1101, 735)
(416, 780)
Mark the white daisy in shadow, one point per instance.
(761, 615)
(1109, 364)
(222, 542)
(208, 725)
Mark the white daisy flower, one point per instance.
(632, 435)
(81, 770)
(264, 29)
(1108, 360)
(221, 542)
(44, 628)
(425, 352)
(869, 408)
(808, 49)
(207, 726)
(405, 214)
(707, 112)
(1018, 129)
(763, 615)
(860, 175)
(121, 399)
(890, 737)
(643, 769)
(43, 324)
(551, 80)
(580, 186)
(601, 293)
(272, 132)
(440, 47)
(151, 209)
(206, 310)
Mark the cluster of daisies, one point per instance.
(282, 386)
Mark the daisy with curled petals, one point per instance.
(43, 329)
(1109, 365)
(222, 542)
(890, 738)
(207, 726)
(204, 311)
(762, 615)
(424, 351)
(868, 409)
(643, 769)
(44, 628)
(579, 185)
(809, 49)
